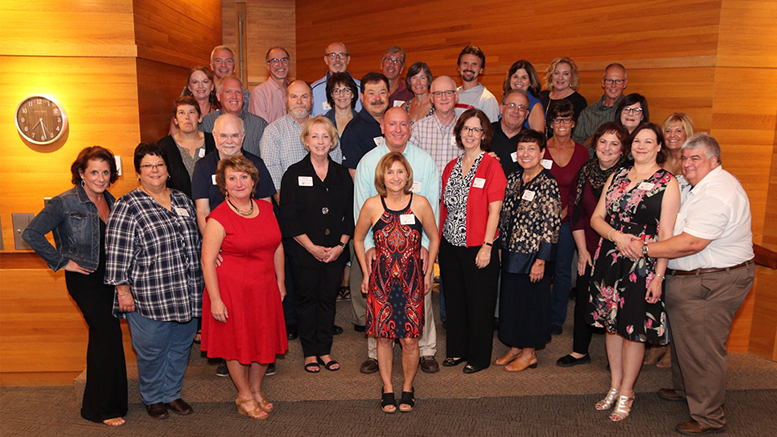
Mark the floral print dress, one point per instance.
(619, 284)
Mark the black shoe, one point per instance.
(291, 332)
(179, 406)
(222, 370)
(337, 330)
(451, 362)
(359, 328)
(157, 411)
(469, 369)
(569, 360)
(270, 370)
(556, 329)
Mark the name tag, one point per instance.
(201, 153)
(514, 156)
(528, 195)
(305, 181)
(377, 140)
(453, 140)
(416, 187)
(547, 163)
(407, 219)
(398, 103)
(479, 182)
(326, 106)
(182, 212)
(213, 178)
(646, 186)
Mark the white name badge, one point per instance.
(202, 153)
(326, 106)
(646, 186)
(514, 156)
(305, 181)
(213, 178)
(453, 140)
(479, 182)
(377, 140)
(547, 163)
(182, 212)
(417, 187)
(528, 195)
(407, 219)
(398, 103)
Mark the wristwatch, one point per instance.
(645, 250)
(343, 244)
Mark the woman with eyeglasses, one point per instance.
(563, 158)
(632, 111)
(419, 81)
(342, 95)
(473, 190)
(523, 76)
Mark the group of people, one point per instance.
(250, 211)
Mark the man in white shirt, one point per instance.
(708, 279)
(472, 94)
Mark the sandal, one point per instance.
(328, 366)
(609, 400)
(344, 293)
(387, 400)
(407, 402)
(264, 404)
(256, 413)
(116, 421)
(623, 408)
(312, 368)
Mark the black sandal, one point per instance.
(386, 400)
(312, 368)
(329, 365)
(408, 398)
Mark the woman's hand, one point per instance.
(483, 258)
(653, 294)
(219, 310)
(318, 252)
(72, 266)
(365, 285)
(332, 253)
(537, 271)
(623, 244)
(428, 280)
(126, 301)
(282, 288)
(583, 260)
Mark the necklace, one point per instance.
(239, 211)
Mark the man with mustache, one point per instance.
(229, 91)
(363, 132)
(336, 57)
(392, 64)
(268, 100)
(472, 94)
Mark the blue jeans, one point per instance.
(163, 353)
(562, 277)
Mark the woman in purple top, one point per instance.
(563, 157)
(609, 142)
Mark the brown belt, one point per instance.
(698, 272)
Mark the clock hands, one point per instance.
(43, 128)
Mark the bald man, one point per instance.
(336, 58)
(435, 132)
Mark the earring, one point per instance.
(168, 177)
(83, 184)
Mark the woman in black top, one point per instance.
(317, 212)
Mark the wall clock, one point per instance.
(40, 120)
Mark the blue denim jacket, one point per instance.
(75, 222)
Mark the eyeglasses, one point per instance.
(153, 166)
(632, 111)
(284, 60)
(565, 120)
(448, 93)
(392, 60)
(614, 81)
(476, 130)
(334, 56)
(341, 91)
(225, 137)
(513, 106)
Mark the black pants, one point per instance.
(316, 293)
(582, 330)
(470, 299)
(105, 396)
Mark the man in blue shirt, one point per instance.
(336, 57)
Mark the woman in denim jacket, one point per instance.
(77, 218)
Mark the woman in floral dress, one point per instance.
(626, 285)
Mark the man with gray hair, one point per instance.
(711, 270)
(268, 99)
(614, 82)
(222, 64)
(391, 64)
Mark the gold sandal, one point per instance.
(609, 400)
(264, 404)
(623, 408)
(257, 413)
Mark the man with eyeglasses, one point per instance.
(230, 95)
(614, 82)
(336, 57)
(514, 110)
(472, 94)
(268, 99)
(391, 64)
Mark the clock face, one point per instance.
(40, 120)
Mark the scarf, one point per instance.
(596, 177)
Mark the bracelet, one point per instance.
(488, 244)
(661, 276)
(608, 234)
(120, 295)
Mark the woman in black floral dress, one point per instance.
(626, 286)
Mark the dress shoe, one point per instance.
(470, 369)
(291, 332)
(157, 411)
(370, 365)
(429, 364)
(451, 362)
(222, 370)
(270, 370)
(569, 360)
(669, 394)
(556, 329)
(359, 328)
(693, 427)
(179, 406)
(337, 330)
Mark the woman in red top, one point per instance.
(473, 190)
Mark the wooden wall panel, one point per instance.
(159, 84)
(763, 338)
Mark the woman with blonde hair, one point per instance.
(562, 82)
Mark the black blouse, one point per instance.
(180, 179)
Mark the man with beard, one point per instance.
(472, 94)
(392, 64)
(336, 57)
(229, 91)
(268, 100)
(363, 132)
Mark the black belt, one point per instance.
(698, 272)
